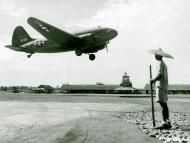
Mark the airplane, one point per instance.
(57, 40)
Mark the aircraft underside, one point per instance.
(78, 51)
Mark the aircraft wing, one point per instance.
(51, 32)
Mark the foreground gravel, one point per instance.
(180, 131)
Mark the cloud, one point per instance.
(10, 7)
(144, 25)
(106, 15)
(42, 11)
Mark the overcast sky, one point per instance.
(141, 24)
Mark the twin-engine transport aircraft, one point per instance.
(57, 40)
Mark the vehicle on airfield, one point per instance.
(88, 42)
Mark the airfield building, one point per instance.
(173, 89)
(124, 88)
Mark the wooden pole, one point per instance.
(152, 101)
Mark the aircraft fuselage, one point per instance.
(91, 40)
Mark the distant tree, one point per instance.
(3, 88)
(15, 89)
(48, 89)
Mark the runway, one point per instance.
(33, 118)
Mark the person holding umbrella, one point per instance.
(161, 86)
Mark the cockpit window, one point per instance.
(108, 30)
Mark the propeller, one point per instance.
(107, 46)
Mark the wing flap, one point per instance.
(50, 32)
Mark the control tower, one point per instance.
(126, 81)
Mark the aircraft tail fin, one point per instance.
(20, 37)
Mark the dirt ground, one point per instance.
(58, 119)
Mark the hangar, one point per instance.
(124, 88)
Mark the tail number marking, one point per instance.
(23, 40)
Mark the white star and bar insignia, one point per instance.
(44, 28)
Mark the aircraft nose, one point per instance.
(114, 33)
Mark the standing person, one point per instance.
(161, 86)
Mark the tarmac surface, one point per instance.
(57, 118)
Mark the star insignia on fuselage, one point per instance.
(44, 28)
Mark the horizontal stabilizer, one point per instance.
(14, 48)
(50, 32)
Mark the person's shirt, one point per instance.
(163, 81)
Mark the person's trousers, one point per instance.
(165, 111)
